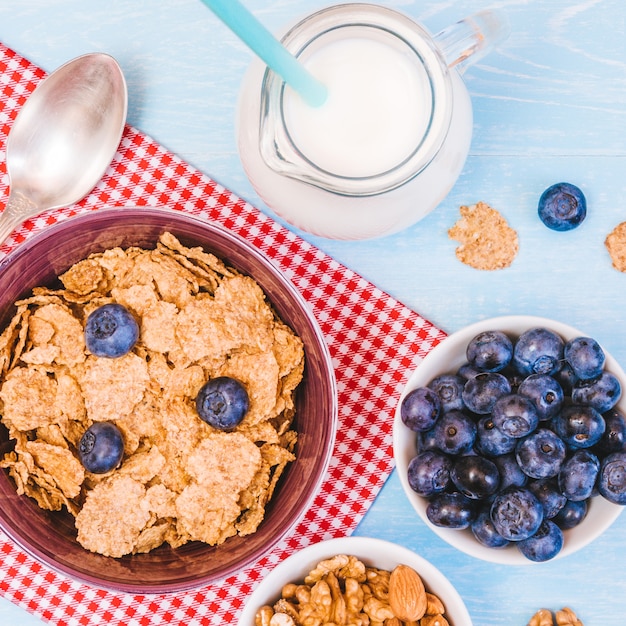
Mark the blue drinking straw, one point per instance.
(269, 49)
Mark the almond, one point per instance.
(407, 596)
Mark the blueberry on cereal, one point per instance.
(222, 402)
(111, 331)
(101, 448)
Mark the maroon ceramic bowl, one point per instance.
(50, 537)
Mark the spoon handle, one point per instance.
(18, 209)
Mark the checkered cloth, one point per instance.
(374, 341)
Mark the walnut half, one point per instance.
(564, 617)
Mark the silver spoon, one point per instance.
(64, 137)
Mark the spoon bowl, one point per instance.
(64, 137)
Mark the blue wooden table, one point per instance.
(549, 105)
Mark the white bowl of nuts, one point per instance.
(553, 443)
(352, 580)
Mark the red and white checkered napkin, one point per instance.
(373, 339)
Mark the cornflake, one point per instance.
(487, 241)
(180, 479)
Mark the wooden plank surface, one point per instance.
(549, 105)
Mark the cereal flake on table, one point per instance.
(180, 479)
(487, 241)
(615, 243)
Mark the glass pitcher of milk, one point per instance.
(391, 138)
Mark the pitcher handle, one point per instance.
(469, 40)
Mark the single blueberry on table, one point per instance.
(475, 476)
(547, 491)
(546, 394)
(578, 475)
(420, 409)
(612, 483)
(562, 207)
(538, 351)
(429, 473)
(485, 532)
(490, 351)
(455, 432)
(516, 513)
(544, 545)
(541, 454)
(101, 448)
(222, 402)
(111, 331)
(601, 393)
(515, 415)
(449, 388)
(481, 392)
(579, 426)
(585, 357)
(451, 510)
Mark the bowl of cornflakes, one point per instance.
(139, 470)
(355, 580)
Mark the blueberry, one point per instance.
(425, 440)
(544, 545)
(514, 377)
(562, 207)
(585, 357)
(485, 532)
(449, 389)
(515, 415)
(481, 392)
(516, 513)
(541, 454)
(572, 514)
(538, 351)
(475, 476)
(467, 371)
(602, 393)
(111, 331)
(612, 483)
(511, 474)
(420, 409)
(451, 510)
(222, 402)
(579, 426)
(566, 378)
(490, 440)
(578, 475)
(490, 351)
(546, 394)
(547, 491)
(614, 437)
(101, 448)
(455, 432)
(429, 473)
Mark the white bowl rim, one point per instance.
(601, 512)
(268, 591)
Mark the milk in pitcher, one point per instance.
(386, 146)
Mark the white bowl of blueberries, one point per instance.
(510, 439)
